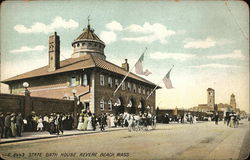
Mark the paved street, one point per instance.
(174, 141)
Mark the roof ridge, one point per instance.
(122, 69)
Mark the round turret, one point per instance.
(88, 43)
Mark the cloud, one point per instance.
(108, 36)
(28, 49)
(236, 54)
(39, 27)
(150, 33)
(176, 56)
(114, 26)
(215, 65)
(207, 43)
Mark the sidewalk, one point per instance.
(27, 136)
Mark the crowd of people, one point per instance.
(12, 124)
(89, 121)
(232, 119)
(184, 118)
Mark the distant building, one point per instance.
(90, 75)
(233, 101)
(210, 98)
(210, 106)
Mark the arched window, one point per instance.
(102, 80)
(118, 102)
(134, 88)
(123, 86)
(73, 81)
(143, 90)
(140, 105)
(110, 105)
(139, 90)
(110, 81)
(116, 83)
(101, 104)
(129, 86)
(129, 103)
(84, 80)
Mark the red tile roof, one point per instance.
(71, 64)
(88, 33)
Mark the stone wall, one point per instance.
(26, 104)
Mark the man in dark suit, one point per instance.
(7, 124)
(1, 124)
(19, 124)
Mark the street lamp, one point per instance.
(74, 91)
(26, 85)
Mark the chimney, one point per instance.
(125, 65)
(54, 52)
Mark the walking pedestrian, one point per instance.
(7, 125)
(19, 124)
(94, 121)
(13, 124)
(216, 118)
(1, 125)
(85, 122)
(102, 122)
(59, 124)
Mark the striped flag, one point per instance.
(167, 81)
(139, 67)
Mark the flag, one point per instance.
(139, 67)
(167, 81)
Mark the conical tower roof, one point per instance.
(88, 34)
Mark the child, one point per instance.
(40, 124)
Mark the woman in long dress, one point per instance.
(85, 122)
(112, 120)
(13, 124)
(89, 126)
(80, 123)
(231, 123)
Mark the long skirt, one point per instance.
(80, 126)
(13, 129)
(231, 123)
(85, 123)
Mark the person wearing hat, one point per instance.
(7, 124)
(13, 124)
(1, 124)
(19, 124)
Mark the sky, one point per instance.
(206, 41)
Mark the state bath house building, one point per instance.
(90, 76)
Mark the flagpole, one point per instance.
(153, 90)
(127, 74)
(156, 86)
